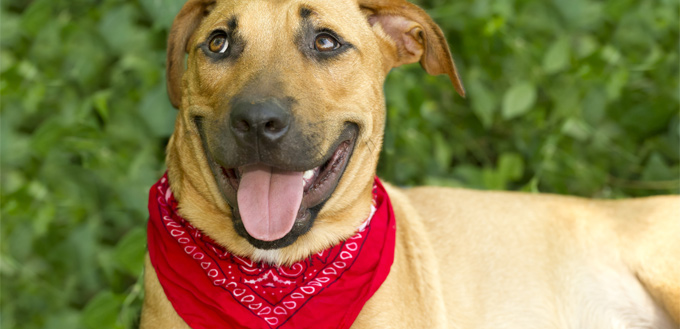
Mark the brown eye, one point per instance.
(325, 42)
(218, 44)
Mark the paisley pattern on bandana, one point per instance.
(210, 287)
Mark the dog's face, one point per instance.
(282, 115)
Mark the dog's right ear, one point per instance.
(412, 36)
(180, 34)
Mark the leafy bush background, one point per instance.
(577, 97)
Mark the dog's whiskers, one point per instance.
(371, 149)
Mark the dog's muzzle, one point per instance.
(270, 172)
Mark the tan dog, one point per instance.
(306, 79)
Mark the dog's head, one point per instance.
(282, 115)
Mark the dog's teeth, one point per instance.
(309, 174)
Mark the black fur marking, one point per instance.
(305, 12)
(306, 35)
(232, 23)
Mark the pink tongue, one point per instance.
(269, 200)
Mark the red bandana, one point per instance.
(211, 288)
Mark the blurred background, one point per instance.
(573, 97)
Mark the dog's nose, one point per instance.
(267, 121)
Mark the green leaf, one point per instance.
(611, 55)
(442, 181)
(162, 11)
(7, 60)
(102, 311)
(43, 219)
(531, 186)
(66, 319)
(594, 106)
(130, 251)
(576, 129)
(36, 16)
(128, 36)
(157, 111)
(492, 179)
(585, 46)
(557, 57)
(518, 100)
(655, 54)
(471, 175)
(510, 166)
(483, 102)
(494, 25)
(656, 169)
(442, 152)
(570, 10)
(616, 82)
(100, 100)
(10, 25)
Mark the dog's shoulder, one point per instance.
(414, 263)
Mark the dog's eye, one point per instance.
(218, 44)
(325, 42)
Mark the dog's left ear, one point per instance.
(415, 35)
(181, 31)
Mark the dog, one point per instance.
(273, 161)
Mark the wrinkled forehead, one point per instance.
(265, 21)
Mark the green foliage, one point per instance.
(84, 123)
(577, 97)
(582, 96)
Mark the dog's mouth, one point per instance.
(315, 183)
(273, 206)
(271, 200)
